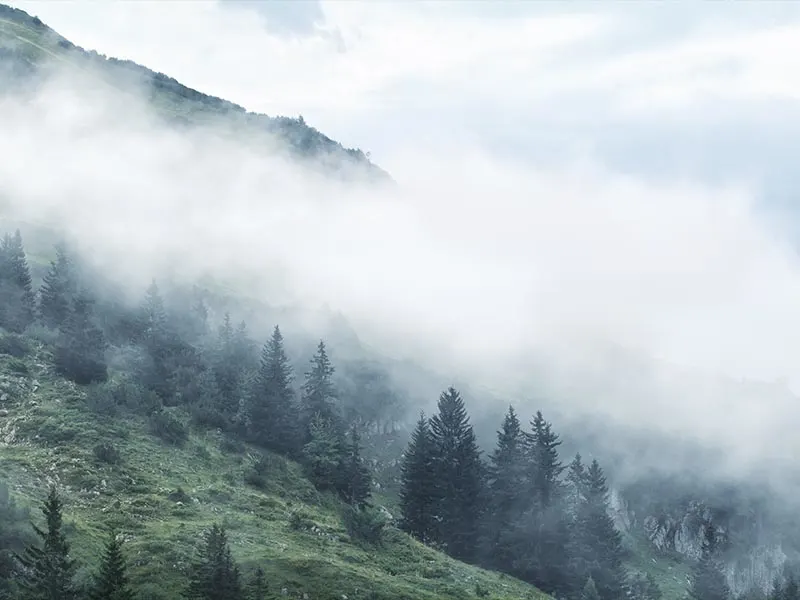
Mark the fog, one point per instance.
(593, 291)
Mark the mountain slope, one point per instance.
(163, 496)
(28, 48)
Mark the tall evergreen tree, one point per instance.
(542, 445)
(508, 493)
(48, 570)
(112, 581)
(17, 300)
(257, 590)
(599, 544)
(707, 579)
(273, 421)
(354, 477)
(323, 453)
(319, 393)
(460, 477)
(80, 349)
(58, 289)
(215, 575)
(418, 484)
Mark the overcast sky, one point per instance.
(680, 89)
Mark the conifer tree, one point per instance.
(354, 477)
(273, 419)
(112, 581)
(323, 453)
(48, 570)
(643, 587)
(215, 575)
(506, 485)
(17, 300)
(319, 393)
(707, 579)
(542, 445)
(80, 349)
(576, 486)
(258, 586)
(460, 477)
(418, 484)
(589, 591)
(58, 289)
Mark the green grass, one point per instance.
(669, 570)
(47, 434)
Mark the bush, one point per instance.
(208, 417)
(106, 452)
(366, 525)
(14, 345)
(17, 366)
(168, 428)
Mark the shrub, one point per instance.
(164, 425)
(366, 525)
(17, 366)
(106, 452)
(14, 345)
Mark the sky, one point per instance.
(572, 183)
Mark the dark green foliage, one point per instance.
(365, 525)
(112, 581)
(643, 587)
(12, 540)
(215, 575)
(707, 579)
(542, 446)
(319, 394)
(257, 589)
(14, 345)
(47, 569)
(354, 478)
(80, 351)
(106, 452)
(418, 484)
(459, 475)
(323, 454)
(232, 363)
(273, 414)
(58, 289)
(786, 589)
(17, 300)
(168, 428)
(589, 591)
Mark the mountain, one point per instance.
(29, 48)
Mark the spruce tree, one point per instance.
(215, 575)
(80, 349)
(507, 490)
(599, 541)
(545, 467)
(319, 393)
(418, 484)
(707, 579)
(459, 475)
(257, 590)
(112, 581)
(48, 570)
(17, 300)
(323, 453)
(589, 591)
(58, 289)
(354, 477)
(273, 420)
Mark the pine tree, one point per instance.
(643, 587)
(506, 485)
(47, 569)
(589, 591)
(323, 453)
(707, 579)
(599, 543)
(273, 419)
(58, 289)
(418, 484)
(258, 586)
(319, 394)
(460, 477)
(354, 478)
(112, 581)
(80, 349)
(215, 575)
(542, 445)
(576, 486)
(17, 300)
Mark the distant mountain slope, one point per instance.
(29, 47)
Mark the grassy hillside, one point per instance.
(28, 46)
(163, 496)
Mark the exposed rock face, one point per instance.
(754, 557)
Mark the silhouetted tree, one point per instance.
(59, 287)
(354, 477)
(215, 575)
(707, 579)
(112, 581)
(319, 394)
(80, 349)
(17, 300)
(418, 484)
